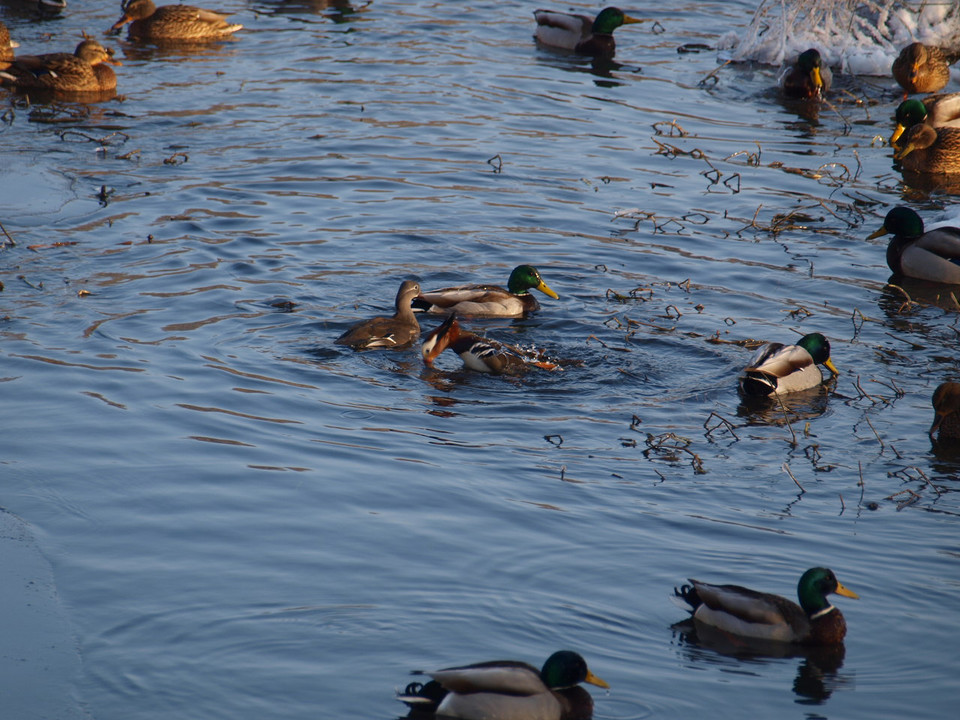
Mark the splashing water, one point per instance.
(861, 37)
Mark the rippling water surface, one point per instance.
(244, 520)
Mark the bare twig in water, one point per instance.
(721, 422)
(499, 165)
(786, 419)
(786, 469)
(9, 241)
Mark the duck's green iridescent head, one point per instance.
(609, 19)
(565, 669)
(902, 221)
(909, 113)
(819, 348)
(810, 62)
(525, 277)
(814, 586)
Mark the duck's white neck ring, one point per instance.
(821, 613)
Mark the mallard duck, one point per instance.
(753, 614)
(923, 68)
(933, 255)
(776, 369)
(172, 22)
(946, 411)
(936, 110)
(6, 47)
(480, 354)
(398, 331)
(86, 70)
(930, 150)
(509, 690)
(580, 33)
(488, 300)
(807, 77)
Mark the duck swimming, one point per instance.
(808, 77)
(937, 110)
(946, 411)
(395, 332)
(478, 353)
(86, 70)
(932, 255)
(172, 22)
(509, 690)
(488, 300)
(923, 68)
(580, 33)
(748, 613)
(776, 369)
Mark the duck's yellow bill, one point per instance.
(841, 590)
(831, 367)
(627, 20)
(545, 289)
(594, 680)
(877, 233)
(817, 79)
(898, 131)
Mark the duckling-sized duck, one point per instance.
(749, 613)
(480, 354)
(509, 690)
(86, 70)
(923, 68)
(398, 331)
(941, 110)
(6, 47)
(172, 22)
(932, 255)
(929, 150)
(807, 77)
(580, 33)
(777, 369)
(946, 410)
(488, 300)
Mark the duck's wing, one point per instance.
(779, 360)
(942, 241)
(499, 676)
(943, 109)
(562, 29)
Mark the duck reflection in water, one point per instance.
(818, 673)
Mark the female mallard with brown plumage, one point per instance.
(929, 150)
(777, 369)
(933, 255)
(172, 22)
(86, 70)
(923, 68)
(748, 613)
(581, 33)
(508, 690)
(807, 77)
(6, 47)
(946, 411)
(941, 110)
(394, 332)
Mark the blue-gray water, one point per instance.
(243, 520)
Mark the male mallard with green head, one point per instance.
(394, 332)
(580, 33)
(172, 22)
(933, 255)
(923, 68)
(748, 613)
(777, 369)
(807, 77)
(488, 300)
(86, 70)
(508, 690)
(937, 110)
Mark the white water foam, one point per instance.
(860, 37)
